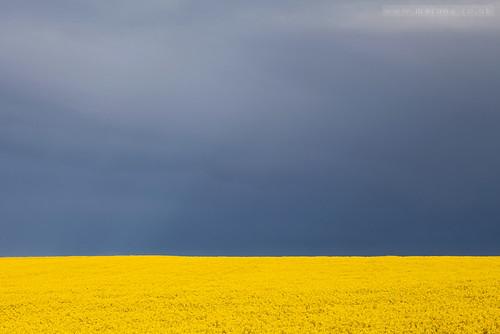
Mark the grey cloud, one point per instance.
(245, 129)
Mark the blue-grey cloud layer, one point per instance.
(297, 128)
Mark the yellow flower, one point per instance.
(163, 294)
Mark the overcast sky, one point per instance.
(247, 128)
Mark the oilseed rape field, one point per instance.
(165, 294)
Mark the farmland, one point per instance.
(166, 294)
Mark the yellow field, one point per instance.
(162, 294)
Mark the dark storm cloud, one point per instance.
(246, 129)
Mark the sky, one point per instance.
(252, 128)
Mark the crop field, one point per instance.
(165, 294)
